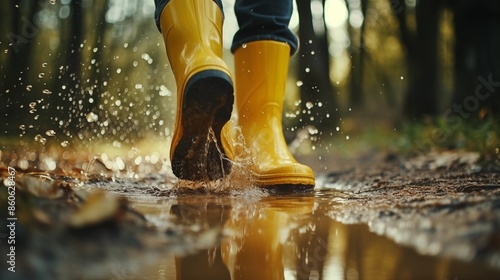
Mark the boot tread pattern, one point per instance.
(207, 105)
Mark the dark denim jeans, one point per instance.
(257, 20)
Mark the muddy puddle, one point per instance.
(286, 237)
(372, 221)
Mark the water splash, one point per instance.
(39, 138)
(50, 132)
(239, 181)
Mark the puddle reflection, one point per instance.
(293, 238)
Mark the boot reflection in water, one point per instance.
(204, 142)
(254, 249)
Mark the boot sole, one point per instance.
(206, 106)
(286, 184)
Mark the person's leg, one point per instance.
(192, 31)
(160, 4)
(264, 20)
(262, 49)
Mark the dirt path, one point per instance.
(444, 205)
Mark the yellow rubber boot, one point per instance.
(256, 137)
(192, 31)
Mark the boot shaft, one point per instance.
(261, 70)
(192, 32)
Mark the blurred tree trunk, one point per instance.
(97, 75)
(16, 75)
(358, 52)
(69, 100)
(314, 71)
(422, 57)
(74, 74)
(477, 57)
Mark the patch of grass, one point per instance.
(481, 136)
(417, 138)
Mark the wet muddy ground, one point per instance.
(374, 217)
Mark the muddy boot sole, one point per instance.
(206, 107)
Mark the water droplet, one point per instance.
(52, 2)
(164, 91)
(22, 127)
(309, 105)
(147, 58)
(46, 91)
(307, 70)
(39, 138)
(138, 160)
(299, 83)
(119, 163)
(41, 75)
(29, 87)
(244, 46)
(50, 132)
(402, 78)
(65, 143)
(312, 130)
(45, 63)
(91, 117)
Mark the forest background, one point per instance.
(97, 70)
